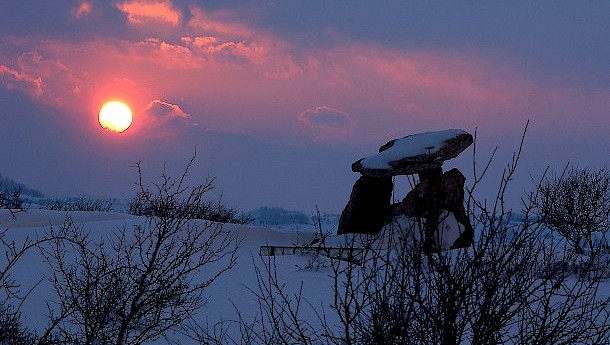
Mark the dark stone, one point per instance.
(368, 207)
(454, 181)
(434, 193)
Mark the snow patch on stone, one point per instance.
(410, 146)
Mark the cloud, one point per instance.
(140, 11)
(165, 120)
(48, 80)
(232, 41)
(164, 110)
(253, 80)
(266, 55)
(331, 122)
(15, 80)
(220, 23)
(172, 56)
(82, 10)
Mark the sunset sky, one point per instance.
(278, 98)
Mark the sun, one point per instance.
(115, 116)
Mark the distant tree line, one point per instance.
(8, 185)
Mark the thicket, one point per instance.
(77, 204)
(10, 185)
(576, 205)
(12, 199)
(147, 204)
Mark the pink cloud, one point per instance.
(220, 23)
(165, 119)
(48, 80)
(82, 10)
(165, 110)
(166, 54)
(15, 80)
(463, 78)
(271, 59)
(229, 40)
(140, 11)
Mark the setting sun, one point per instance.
(115, 116)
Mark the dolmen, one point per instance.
(435, 205)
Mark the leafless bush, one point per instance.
(576, 204)
(77, 204)
(196, 208)
(137, 284)
(513, 286)
(12, 331)
(12, 200)
(12, 293)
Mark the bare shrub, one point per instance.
(12, 331)
(12, 293)
(77, 204)
(137, 284)
(195, 208)
(576, 204)
(12, 200)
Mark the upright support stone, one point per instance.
(368, 207)
(436, 194)
(453, 181)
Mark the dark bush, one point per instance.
(576, 205)
(176, 206)
(12, 199)
(11, 329)
(77, 204)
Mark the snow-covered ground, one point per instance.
(230, 297)
(230, 291)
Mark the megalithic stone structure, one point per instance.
(437, 196)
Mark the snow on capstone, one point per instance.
(412, 145)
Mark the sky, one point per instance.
(276, 99)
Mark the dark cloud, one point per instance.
(326, 117)
(330, 123)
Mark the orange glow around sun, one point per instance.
(115, 116)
